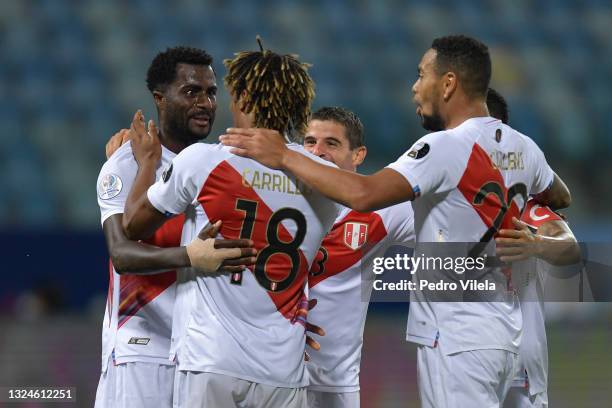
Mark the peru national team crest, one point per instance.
(355, 234)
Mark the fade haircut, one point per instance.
(468, 58)
(352, 125)
(498, 108)
(279, 90)
(162, 71)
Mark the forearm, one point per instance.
(356, 191)
(137, 257)
(135, 220)
(559, 250)
(143, 259)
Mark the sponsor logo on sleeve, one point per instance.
(167, 173)
(419, 150)
(110, 186)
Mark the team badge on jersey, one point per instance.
(355, 234)
(110, 186)
(167, 173)
(419, 150)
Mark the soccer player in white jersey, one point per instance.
(335, 280)
(242, 339)
(137, 324)
(544, 235)
(465, 189)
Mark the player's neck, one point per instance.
(464, 111)
(175, 146)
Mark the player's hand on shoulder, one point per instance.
(116, 141)
(267, 146)
(213, 255)
(145, 142)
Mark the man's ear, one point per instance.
(158, 98)
(449, 85)
(359, 155)
(240, 102)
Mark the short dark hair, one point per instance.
(346, 118)
(163, 67)
(498, 108)
(468, 58)
(279, 90)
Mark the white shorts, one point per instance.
(321, 399)
(478, 378)
(136, 385)
(518, 397)
(195, 389)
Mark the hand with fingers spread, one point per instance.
(264, 145)
(145, 142)
(211, 255)
(234, 264)
(310, 342)
(116, 141)
(518, 244)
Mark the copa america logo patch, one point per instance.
(355, 234)
(110, 186)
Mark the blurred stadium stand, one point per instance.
(73, 73)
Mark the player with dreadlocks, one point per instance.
(275, 89)
(239, 340)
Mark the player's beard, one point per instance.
(433, 122)
(180, 130)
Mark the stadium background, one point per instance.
(72, 73)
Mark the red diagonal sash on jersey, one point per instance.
(135, 291)
(479, 172)
(222, 189)
(337, 249)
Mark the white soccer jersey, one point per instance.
(336, 282)
(471, 180)
(138, 318)
(249, 325)
(533, 355)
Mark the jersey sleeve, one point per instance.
(427, 165)
(114, 184)
(543, 173)
(179, 184)
(536, 215)
(399, 220)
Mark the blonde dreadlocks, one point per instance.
(279, 90)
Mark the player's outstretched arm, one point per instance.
(135, 257)
(553, 242)
(557, 196)
(361, 193)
